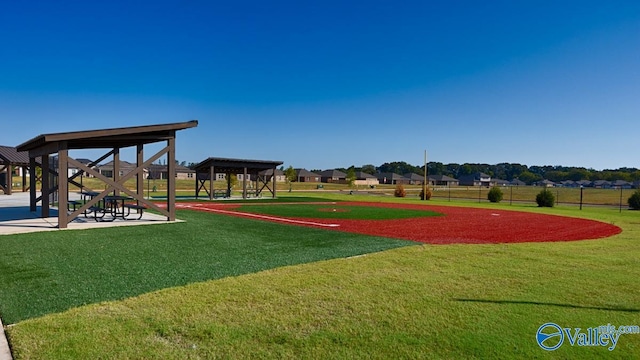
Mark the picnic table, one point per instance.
(115, 206)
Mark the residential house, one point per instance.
(363, 178)
(414, 179)
(584, 183)
(280, 177)
(545, 183)
(304, 175)
(621, 184)
(392, 178)
(333, 176)
(602, 184)
(517, 182)
(500, 182)
(477, 179)
(442, 180)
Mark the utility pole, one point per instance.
(424, 183)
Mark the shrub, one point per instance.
(400, 191)
(429, 193)
(545, 198)
(634, 200)
(495, 195)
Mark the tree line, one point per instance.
(504, 171)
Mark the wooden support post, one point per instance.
(24, 179)
(140, 175)
(116, 169)
(63, 187)
(32, 183)
(171, 178)
(244, 183)
(212, 177)
(273, 193)
(45, 186)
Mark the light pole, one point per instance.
(581, 189)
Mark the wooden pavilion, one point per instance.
(11, 158)
(113, 139)
(250, 169)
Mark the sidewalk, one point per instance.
(15, 218)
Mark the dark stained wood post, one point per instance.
(140, 176)
(9, 178)
(273, 194)
(212, 178)
(45, 186)
(63, 186)
(24, 178)
(116, 169)
(32, 183)
(244, 183)
(171, 177)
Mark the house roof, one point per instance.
(620, 183)
(333, 173)
(441, 178)
(517, 182)
(391, 176)
(305, 172)
(363, 175)
(270, 172)
(414, 177)
(501, 182)
(10, 155)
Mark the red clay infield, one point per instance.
(458, 225)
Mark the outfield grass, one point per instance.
(425, 301)
(336, 211)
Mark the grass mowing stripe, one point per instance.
(47, 272)
(337, 211)
(459, 301)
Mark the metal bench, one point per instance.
(139, 209)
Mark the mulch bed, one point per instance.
(461, 225)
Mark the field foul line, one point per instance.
(265, 217)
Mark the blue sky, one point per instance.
(328, 84)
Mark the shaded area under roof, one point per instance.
(254, 169)
(114, 139)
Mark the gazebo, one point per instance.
(113, 139)
(11, 158)
(256, 169)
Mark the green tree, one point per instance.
(351, 176)
(369, 169)
(290, 174)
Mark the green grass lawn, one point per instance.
(49, 272)
(336, 211)
(424, 301)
